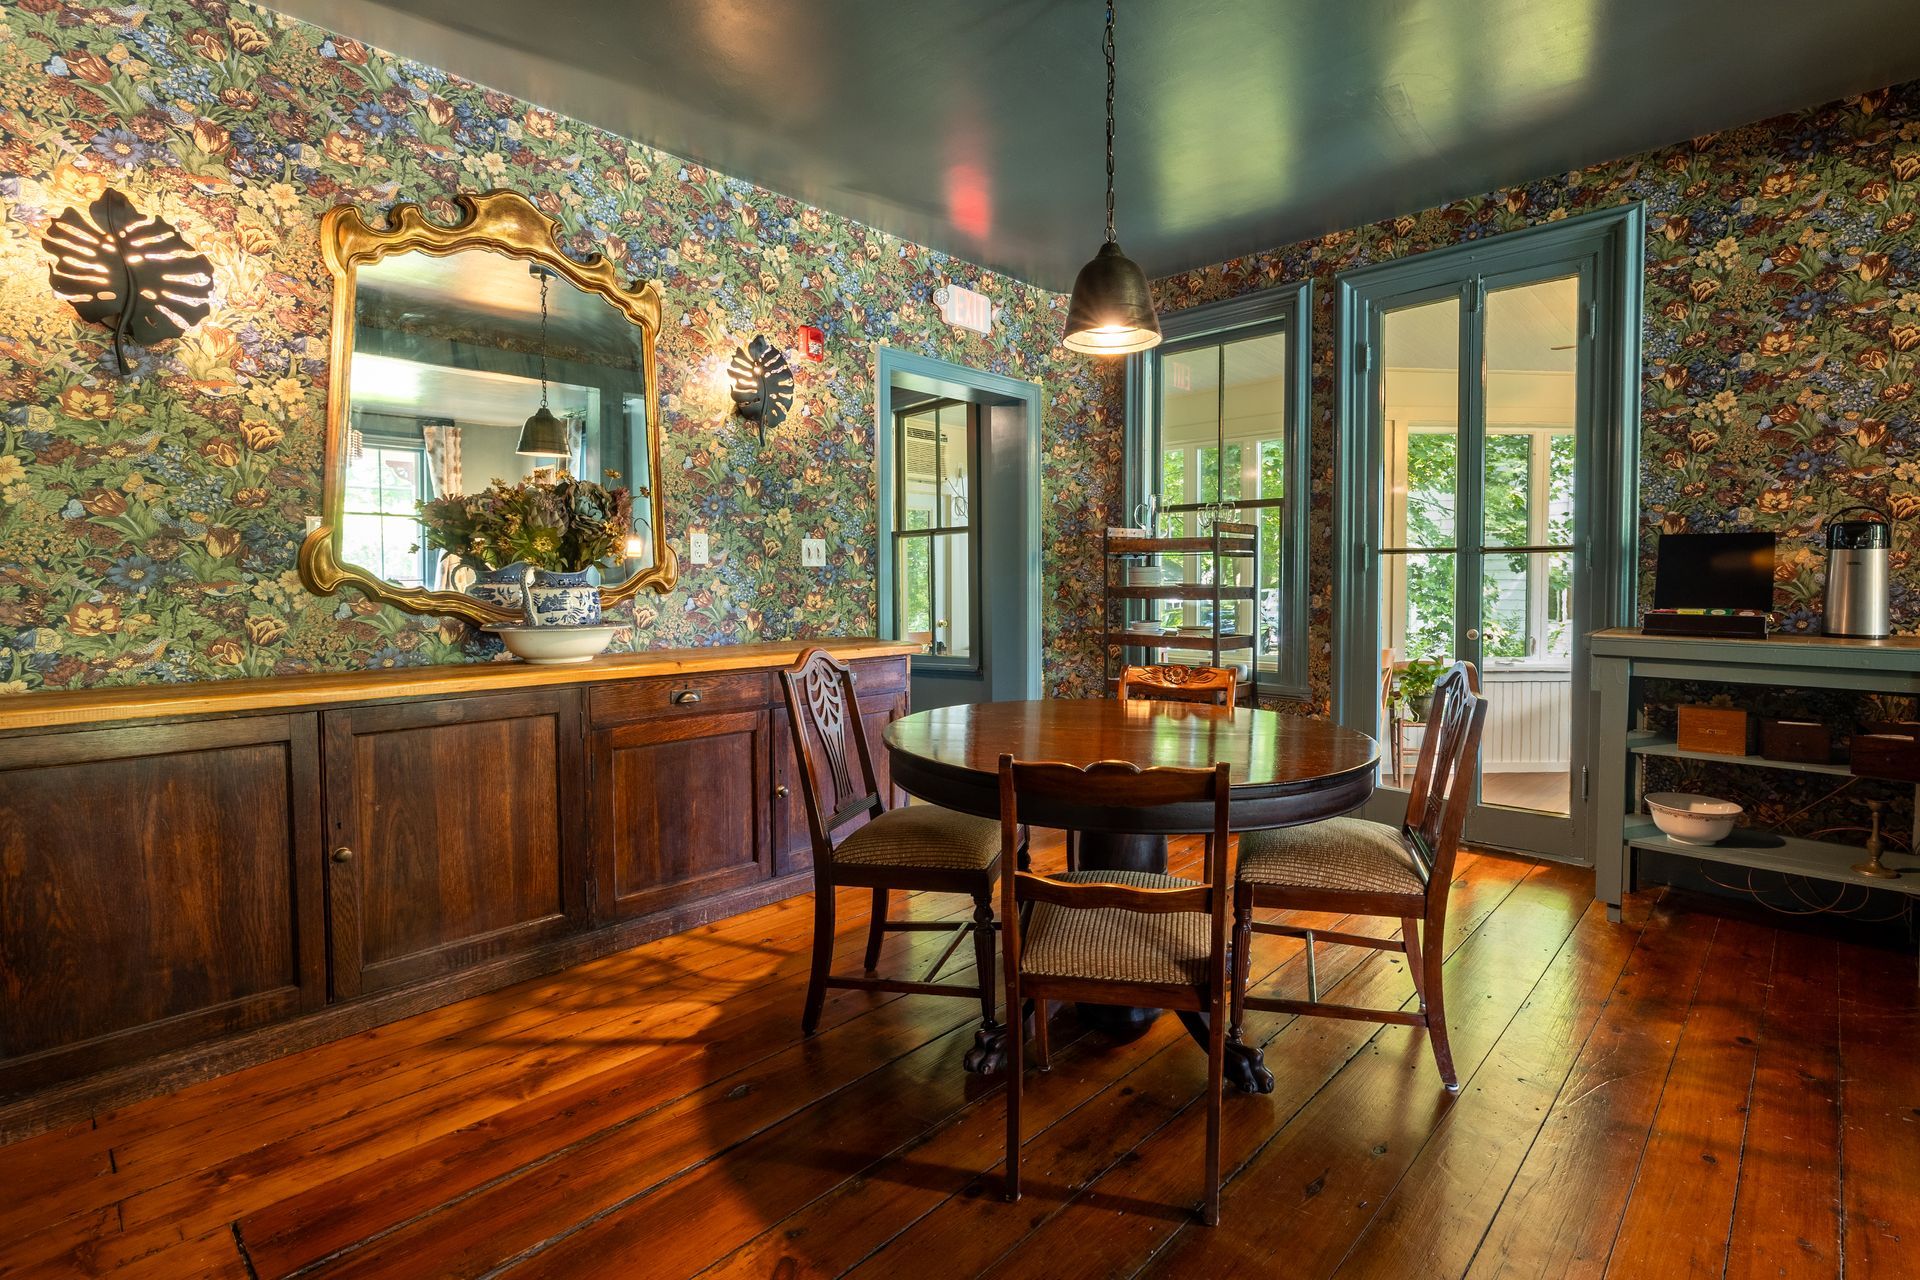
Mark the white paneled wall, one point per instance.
(1529, 719)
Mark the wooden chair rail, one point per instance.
(1330, 936)
(1353, 1013)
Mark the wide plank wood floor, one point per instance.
(1690, 1093)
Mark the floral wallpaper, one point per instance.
(148, 525)
(1781, 338)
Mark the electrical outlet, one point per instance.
(697, 548)
(813, 553)
(313, 522)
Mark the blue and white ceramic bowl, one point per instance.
(563, 599)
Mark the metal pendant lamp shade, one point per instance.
(544, 436)
(1111, 311)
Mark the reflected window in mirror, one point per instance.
(379, 528)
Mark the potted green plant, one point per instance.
(1414, 684)
(535, 543)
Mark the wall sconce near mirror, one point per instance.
(762, 384)
(129, 271)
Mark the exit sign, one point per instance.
(965, 309)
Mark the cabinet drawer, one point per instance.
(875, 676)
(682, 695)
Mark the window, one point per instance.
(380, 526)
(1223, 425)
(936, 445)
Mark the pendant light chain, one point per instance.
(543, 336)
(1110, 65)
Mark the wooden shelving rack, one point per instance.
(1229, 542)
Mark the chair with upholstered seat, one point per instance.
(1350, 866)
(1172, 682)
(1115, 937)
(921, 848)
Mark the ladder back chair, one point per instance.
(915, 848)
(1115, 937)
(1174, 683)
(1350, 866)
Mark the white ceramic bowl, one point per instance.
(1691, 819)
(553, 645)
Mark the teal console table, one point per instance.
(1623, 659)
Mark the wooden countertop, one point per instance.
(215, 697)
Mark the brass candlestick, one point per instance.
(1873, 866)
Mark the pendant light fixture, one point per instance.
(544, 436)
(1111, 311)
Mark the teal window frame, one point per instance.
(1282, 672)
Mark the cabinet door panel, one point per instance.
(158, 885)
(454, 826)
(680, 809)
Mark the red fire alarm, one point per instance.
(813, 343)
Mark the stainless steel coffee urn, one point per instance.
(1857, 583)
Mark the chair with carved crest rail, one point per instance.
(921, 848)
(1175, 683)
(1350, 866)
(1111, 936)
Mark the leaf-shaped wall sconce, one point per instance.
(762, 384)
(128, 271)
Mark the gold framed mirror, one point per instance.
(454, 350)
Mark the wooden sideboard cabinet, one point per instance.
(193, 878)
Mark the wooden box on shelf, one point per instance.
(1718, 731)
(1887, 750)
(1796, 741)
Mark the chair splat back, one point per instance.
(1175, 683)
(1443, 780)
(840, 782)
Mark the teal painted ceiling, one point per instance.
(974, 126)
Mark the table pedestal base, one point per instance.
(1245, 1067)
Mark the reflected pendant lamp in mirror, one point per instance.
(544, 436)
(1111, 310)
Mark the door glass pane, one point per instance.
(1526, 598)
(1420, 401)
(1420, 396)
(1525, 748)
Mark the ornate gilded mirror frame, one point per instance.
(504, 222)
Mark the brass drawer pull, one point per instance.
(780, 791)
(343, 854)
(686, 697)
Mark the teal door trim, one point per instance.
(1009, 517)
(1284, 308)
(1608, 247)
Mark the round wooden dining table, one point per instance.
(1286, 770)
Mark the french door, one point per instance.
(1488, 426)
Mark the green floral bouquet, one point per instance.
(561, 525)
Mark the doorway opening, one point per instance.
(958, 456)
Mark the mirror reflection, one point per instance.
(453, 360)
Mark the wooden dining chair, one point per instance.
(1350, 866)
(1115, 937)
(1174, 683)
(918, 847)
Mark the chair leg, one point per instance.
(1436, 1004)
(1016, 1067)
(1042, 1056)
(1410, 943)
(876, 929)
(1242, 956)
(822, 957)
(1216, 1068)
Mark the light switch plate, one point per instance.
(813, 553)
(697, 548)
